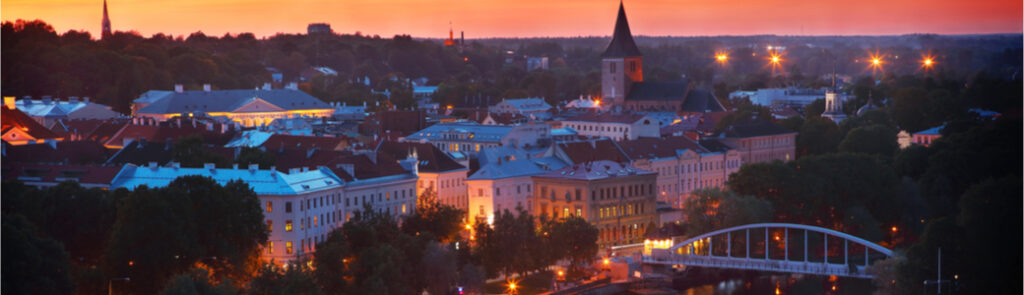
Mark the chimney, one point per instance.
(178, 88)
(9, 102)
(234, 166)
(85, 99)
(152, 165)
(47, 99)
(27, 100)
(176, 164)
(293, 170)
(305, 169)
(210, 166)
(254, 167)
(206, 87)
(292, 86)
(266, 86)
(73, 99)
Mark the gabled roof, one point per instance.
(594, 171)
(473, 132)
(517, 168)
(533, 104)
(279, 141)
(192, 101)
(653, 148)
(607, 117)
(755, 128)
(622, 44)
(51, 173)
(14, 118)
(67, 152)
(262, 182)
(699, 100)
(652, 90)
(589, 151)
(431, 159)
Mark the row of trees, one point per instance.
(519, 243)
(146, 234)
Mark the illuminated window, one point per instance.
(288, 226)
(316, 221)
(288, 247)
(270, 248)
(270, 206)
(579, 212)
(403, 208)
(565, 212)
(270, 225)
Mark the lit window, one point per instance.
(288, 247)
(270, 225)
(316, 221)
(270, 248)
(403, 208)
(288, 226)
(270, 206)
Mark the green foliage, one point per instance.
(442, 221)
(162, 232)
(989, 212)
(273, 280)
(875, 139)
(77, 217)
(250, 155)
(714, 209)
(33, 265)
(577, 237)
(197, 283)
(959, 160)
(191, 152)
(815, 108)
(817, 136)
(911, 161)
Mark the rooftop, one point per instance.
(596, 170)
(190, 101)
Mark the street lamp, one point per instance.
(110, 284)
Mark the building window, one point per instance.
(288, 225)
(578, 194)
(316, 221)
(611, 67)
(288, 249)
(565, 212)
(287, 207)
(579, 212)
(497, 191)
(270, 206)
(270, 248)
(632, 66)
(270, 225)
(479, 192)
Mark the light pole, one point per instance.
(110, 284)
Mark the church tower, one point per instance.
(621, 63)
(833, 103)
(106, 22)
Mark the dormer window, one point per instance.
(611, 67)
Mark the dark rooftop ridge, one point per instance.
(622, 44)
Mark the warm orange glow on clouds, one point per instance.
(529, 18)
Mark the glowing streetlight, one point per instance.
(928, 62)
(606, 261)
(775, 59)
(894, 229)
(876, 61)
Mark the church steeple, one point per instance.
(622, 44)
(106, 22)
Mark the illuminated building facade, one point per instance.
(618, 200)
(249, 108)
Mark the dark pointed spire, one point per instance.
(106, 21)
(622, 44)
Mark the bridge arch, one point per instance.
(675, 255)
(812, 228)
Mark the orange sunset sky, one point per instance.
(530, 18)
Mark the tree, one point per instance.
(34, 265)
(191, 152)
(714, 209)
(442, 221)
(251, 155)
(197, 283)
(579, 239)
(989, 211)
(273, 280)
(911, 161)
(873, 140)
(439, 269)
(814, 109)
(817, 136)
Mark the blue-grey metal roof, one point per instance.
(263, 182)
(472, 132)
(517, 168)
(225, 100)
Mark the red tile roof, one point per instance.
(283, 141)
(73, 152)
(648, 147)
(609, 117)
(14, 118)
(48, 173)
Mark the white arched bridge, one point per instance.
(778, 247)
